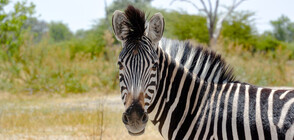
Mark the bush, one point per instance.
(89, 42)
(290, 48)
(268, 43)
(238, 29)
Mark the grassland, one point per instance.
(268, 69)
(44, 116)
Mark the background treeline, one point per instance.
(37, 56)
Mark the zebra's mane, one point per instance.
(135, 23)
(206, 64)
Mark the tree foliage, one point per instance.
(283, 29)
(266, 42)
(11, 23)
(214, 15)
(238, 28)
(183, 26)
(59, 31)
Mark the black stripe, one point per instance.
(240, 113)
(186, 54)
(252, 109)
(213, 62)
(216, 73)
(229, 113)
(196, 57)
(202, 65)
(214, 111)
(151, 91)
(221, 110)
(264, 112)
(148, 97)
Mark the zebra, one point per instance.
(205, 64)
(183, 105)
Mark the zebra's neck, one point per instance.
(174, 82)
(206, 64)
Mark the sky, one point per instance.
(82, 14)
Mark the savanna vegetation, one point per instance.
(45, 67)
(41, 57)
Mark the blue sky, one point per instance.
(81, 14)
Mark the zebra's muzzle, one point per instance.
(137, 134)
(135, 119)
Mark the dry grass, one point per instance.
(82, 116)
(55, 68)
(262, 69)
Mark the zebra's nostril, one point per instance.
(128, 111)
(125, 118)
(145, 118)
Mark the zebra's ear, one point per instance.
(156, 27)
(118, 25)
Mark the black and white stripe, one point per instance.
(205, 64)
(187, 107)
(190, 93)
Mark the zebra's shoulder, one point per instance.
(204, 63)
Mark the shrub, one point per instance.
(268, 43)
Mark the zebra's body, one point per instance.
(186, 107)
(185, 102)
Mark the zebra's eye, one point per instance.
(120, 66)
(154, 67)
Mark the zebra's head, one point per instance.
(138, 64)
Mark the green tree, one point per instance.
(283, 29)
(215, 14)
(239, 29)
(58, 32)
(193, 27)
(11, 23)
